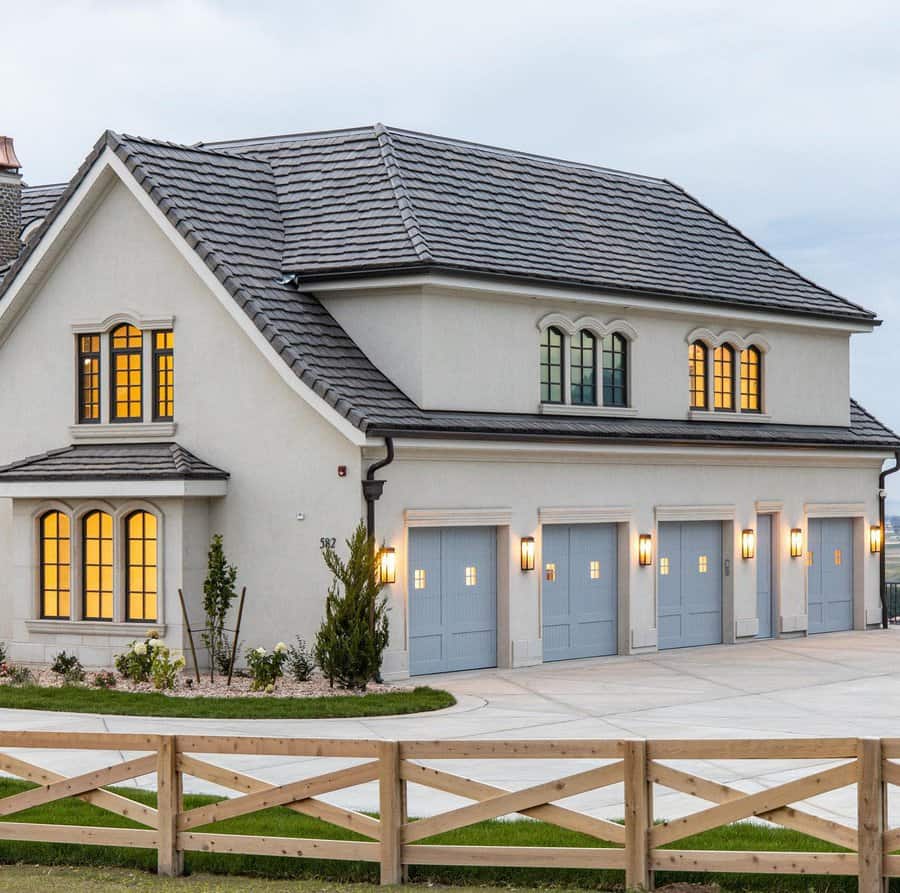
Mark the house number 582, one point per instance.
(327, 542)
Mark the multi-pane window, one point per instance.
(697, 373)
(750, 380)
(97, 566)
(163, 376)
(89, 378)
(552, 366)
(55, 541)
(126, 351)
(141, 585)
(723, 378)
(583, 362)
(615, 372)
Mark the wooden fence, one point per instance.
(638, 847)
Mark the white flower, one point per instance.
(261, 651)
(280, 648)
(152, 643)
(140, 648)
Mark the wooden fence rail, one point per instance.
(639, 847)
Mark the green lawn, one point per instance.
(76, 699)
(283, 822)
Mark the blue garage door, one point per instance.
(830, 574)
(452, 599)
(764, 564)
(689, 569)
(579, 590)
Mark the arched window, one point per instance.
(55, 565)
(127, 350)
(583, 362)
(697, 358)
(615, 370)
(751, 367)
(723, 378)
(141, 585)
(552, 366)
(97, 566)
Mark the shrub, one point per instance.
(104, 679)
(165, 669)
(16, 675)
(69, 667)
(2, 652)
(354, 633)
(218, 594)
(266, 667)
(223, 657)
(300, 662)
(136, 663)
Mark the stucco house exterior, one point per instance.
(586, 413)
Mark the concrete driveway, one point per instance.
(842, 684)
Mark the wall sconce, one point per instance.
(387, 565)
(748, 543)
(526, 548)
(645, 550)
(875, 538)
(796, 542)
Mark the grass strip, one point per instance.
(75, 699)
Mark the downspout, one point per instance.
(882, 497)
(373, 489)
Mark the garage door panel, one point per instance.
(579, 590)
(830, 575)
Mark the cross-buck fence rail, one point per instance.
(638, 847)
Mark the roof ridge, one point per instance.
(767, 253)
(404, 203)
(170, 144)
(281, 137)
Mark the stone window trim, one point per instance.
(106, 428)
(570, 328)
(76, 512)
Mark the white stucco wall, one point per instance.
(464, 350)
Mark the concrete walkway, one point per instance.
(843, 684)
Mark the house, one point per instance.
(584, 414)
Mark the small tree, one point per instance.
(354, 633)
(218, 594)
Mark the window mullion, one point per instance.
(147, 371)
(566, 371)
(106, 376)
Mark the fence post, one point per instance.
(870, 817)
(390, 795)
(170, 860)
(638, 816)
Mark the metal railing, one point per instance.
(893, 600)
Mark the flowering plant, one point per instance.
(136, 663)
(266, 667)
(165, 668)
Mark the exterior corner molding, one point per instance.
(741, 342)
(835, 509)
(564, 514)
(769, 506)
(695, 512)
(438, 517)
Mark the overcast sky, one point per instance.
(783, 116)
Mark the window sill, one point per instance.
(123, 432)
(569, 409)
(93, 628)
(704, 415)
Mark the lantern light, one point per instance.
(796, 542)
(526, 548)
(645, 550)
(748, 543)
(387, 565)
(875, 538)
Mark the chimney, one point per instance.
(10, 202)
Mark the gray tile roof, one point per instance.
(258, 209)
(37, 201)
(113, 462)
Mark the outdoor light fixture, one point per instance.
(796, 542)
(645, 550)
(875, 538)
(387, 565)
(748, 543)
(527, 553)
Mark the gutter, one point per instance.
(882, 557)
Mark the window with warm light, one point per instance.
(583, 365)
(89, 379)
(664, 567)
(552, 366)
(141, 583)
(550, 573)
(697, 359)
(702, 564)
(723, 378)
(471, 576)
(126, 363)
(163, 376)
(55, 542)
(419, 578)
(595, 570)
(751, 367)
(615, 370)
(97, 566)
